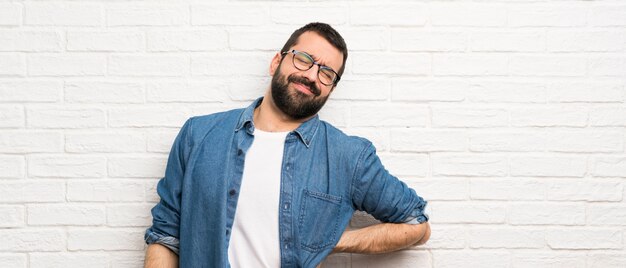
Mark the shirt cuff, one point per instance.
(168, 241)
(419, 215)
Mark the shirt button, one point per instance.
(239, 152)
(286, 206)
(232, 192)
(227, 231)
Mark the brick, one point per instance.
(63, 14)
(68, 259)
(147, 15)
(32, 191)
(609, 167)
(578, 41)
(65, 214)
(136, 167)
(328, 13)
(13, 260)
(152, 65)
(507, 189)
(471, 259)
(576, 238)
(362, 89)
(104, 41)
(428, 90)
(129, 215)
(428, 140)
(586, 92)
(607, 116)
(606, 214)
(396, 115)
(395, 259)
(66, 166)
(12, 65)
(608, 15)
(606, 260)
(506, 237)
(406, 164)
(335, 114)
(11, 216)
(161, 141)
(12, 167)
(151, 192)
(566, 66)
(469, 64)
(413, 40)
(196, 91)
(338, 260)
(509, 41)
(230, 65)
(537, 213)
(582, 190)
(508, 92)
(30, 91)
(441, 188)
(468, 165)
(447, 237)
(126, 258)
(611, 66)
(10, 15)
(12, 116)
(469, 117)
(510, 141)
(104, 92)
(148, 117)
(257, 39)
(484, 15)
(198, 40)
(105, 239)
(65, 118)
(453, 212)
(548, 166)
(30, 142)
(366, 39)
(546, 15)
(587, 141)
(105, 191)
(106, 142)
(548, 260)
(29, 41)
(391, 63)
(394, 15)
(549, 116)
(66, 65)
(230, 14)
(27, 240)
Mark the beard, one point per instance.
(295, 104)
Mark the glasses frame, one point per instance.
(294, 52)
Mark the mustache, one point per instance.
(310, 84)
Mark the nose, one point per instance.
(311, 73)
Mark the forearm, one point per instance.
(159, 256)
(382, 238)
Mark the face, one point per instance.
(300, 94)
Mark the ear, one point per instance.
(274, 64)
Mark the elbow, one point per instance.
(425, 236)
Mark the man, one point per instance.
(271, 185)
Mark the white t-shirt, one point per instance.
(254, 240)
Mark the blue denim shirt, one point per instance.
(326, 176)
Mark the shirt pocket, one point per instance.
(319, 220)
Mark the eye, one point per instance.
(303, 59)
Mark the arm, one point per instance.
(159, 256)
(383, 238)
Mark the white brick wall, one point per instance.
(508, 116)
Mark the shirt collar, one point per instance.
(306, 131)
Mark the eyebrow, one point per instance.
(316, 59)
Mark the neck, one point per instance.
(268, 117)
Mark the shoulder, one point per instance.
(339, 139)
(198, 126)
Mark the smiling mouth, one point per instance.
(304, 89)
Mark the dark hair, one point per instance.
(326, 31)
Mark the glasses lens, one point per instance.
(302, 61)
(327, 76)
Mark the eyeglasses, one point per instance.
(304, 62)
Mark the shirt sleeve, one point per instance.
(165, 227)
(383, 195)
